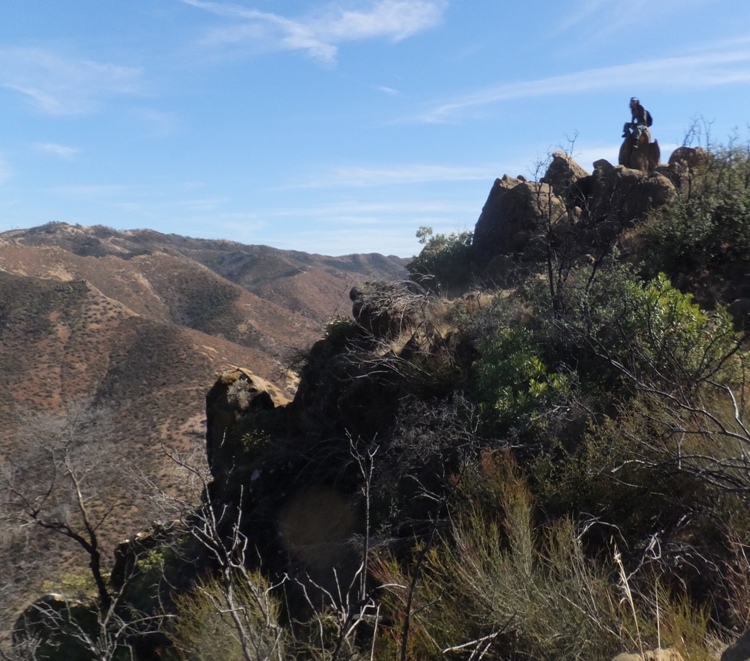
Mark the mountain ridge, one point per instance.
(131, 326)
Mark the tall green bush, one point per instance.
(708, 227)
(444, 262)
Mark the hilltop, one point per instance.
(130, 327)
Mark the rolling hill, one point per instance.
(133, 326)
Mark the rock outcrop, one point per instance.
(739, 650)
(622, 196)
(567, 178)
(512, 218)
(236, 393)
(640, 153)
(686, 164)
(47, 621)
(286, 475)
(567, 210)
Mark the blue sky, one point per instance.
(338, 127)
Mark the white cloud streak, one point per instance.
(55, 149)
(59, 85)
(687, 72)
(604, 17)
(390, 91)
(158, 122)
(319, 34)
(370, 177)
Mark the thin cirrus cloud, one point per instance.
(60, 85)
(54, 149)
(612, 17)
(370, 177)
(319, 34)
(698, 70)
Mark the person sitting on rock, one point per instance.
(640, 120)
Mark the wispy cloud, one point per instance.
(319, 34)
(389, 240)
(366, 212)
(344, 227)
(724, 67)
(59, 85)
(613, 17)
(63, 151)
(95, 190)
(369, 177)
(158, 122)
(390, 91)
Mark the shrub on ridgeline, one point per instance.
(708, 226)
(445, 261)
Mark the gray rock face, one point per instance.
(740, 650)
(568, 206)
(625, 195)
(565, 175)
(514, 212)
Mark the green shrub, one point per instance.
(619, 333)
(709, 225)
(497, 580)
(340, 328)
(445, 260)
(669, 338)
(514, 388)
(500, 585)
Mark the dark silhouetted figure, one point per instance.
(640, 120)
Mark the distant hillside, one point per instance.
(315, 286)
(134, 325)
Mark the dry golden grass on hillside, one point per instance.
(134, 326)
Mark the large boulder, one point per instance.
(513, 214)
(388, 309)
(685, 164)
(236, 393)
(567, 178)
(621, 196)
(689, 157)
(640, 154)
(50, 628)
(740, 650)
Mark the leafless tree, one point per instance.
(68, 482)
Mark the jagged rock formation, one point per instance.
(569, 208)
(513, 218)
(620, 196)
(270, 459)
(287, 472)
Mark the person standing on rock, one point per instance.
(640, 120)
